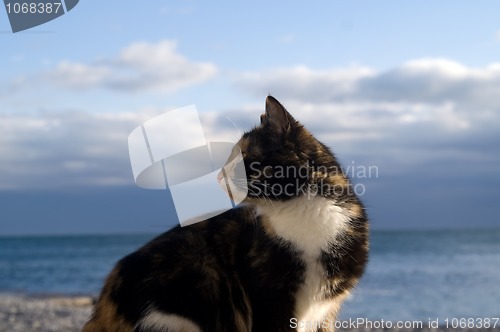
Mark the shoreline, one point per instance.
(68, 313)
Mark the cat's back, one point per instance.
(182, 264)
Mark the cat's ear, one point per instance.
(276, 116)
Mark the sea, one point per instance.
(411, 275)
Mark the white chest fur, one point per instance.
(311, 225)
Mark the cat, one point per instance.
(283, 261)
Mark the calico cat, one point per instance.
(283, 261)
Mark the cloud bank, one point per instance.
(428, 115)
(57, 150)
(64, 149)
(437, 91)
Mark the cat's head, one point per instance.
(282, 160)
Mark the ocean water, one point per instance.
(410, 276)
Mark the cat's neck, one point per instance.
(311, 224)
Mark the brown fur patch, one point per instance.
(339, 180)
(355, 211)
(268, 228)
(105, 317)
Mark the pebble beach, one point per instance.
(19, 313)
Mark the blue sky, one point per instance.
(412, 88)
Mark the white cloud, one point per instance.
(79, 76)
(303, 83)
(424, 80)
(139, 67)
(438, 91)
